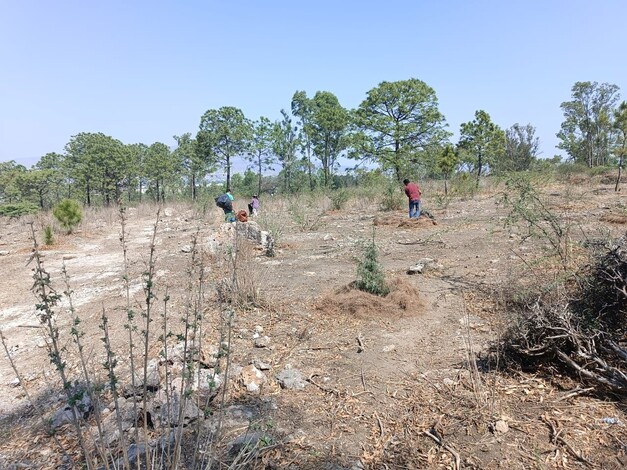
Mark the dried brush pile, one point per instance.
(583, 328)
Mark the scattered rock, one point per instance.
(186, 249)
(15, 382)
(169, 411)
(15, 350)
(208, 354)
(245, 442)
(136, 453)
(177, 352)
(213, 245)
(234, 371)
(501, 427)
(262, 342)
(3, 252)
(291, 379)
(261, 365)
(274, 262)
(153, 377)
(65, 415)
(207, 383)
(389, 348)
(232, 417)
(253, 378)
(126, 409)
(253, 232)
(423, 265)
(474, 322)
(449, 382)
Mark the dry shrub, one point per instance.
(610, 178)
(242, 286)
(614, 218)
(578, 326)
(578, 179)
(403, 299)
(396, 220)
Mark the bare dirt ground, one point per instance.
(382, 373)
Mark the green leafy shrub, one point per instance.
(69, 214)
(530, 209)
(339, 199)
(306, 220)
(392, 200)
(48, 235)
(441, 200)
(18, 209)
(370, 276)
(464, 186)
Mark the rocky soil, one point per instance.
(322, 375)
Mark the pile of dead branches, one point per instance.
(582, 331)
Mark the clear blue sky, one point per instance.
(143, 71)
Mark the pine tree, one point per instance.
(370, 272)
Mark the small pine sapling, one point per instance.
(370, 276)
(446, 162)
(48, 235)
(69, 214)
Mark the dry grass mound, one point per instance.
(422, 221)
(614, 218)
(611, 179)
(403, 300)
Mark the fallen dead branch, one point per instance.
(360, 343)
(453, 452)
(322, 387)
(556, 438)
(584, 328)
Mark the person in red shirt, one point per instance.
(413, 193)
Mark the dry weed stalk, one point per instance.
(528, 207)
(130, 325)
(46, 313)
(88, 381)
(22, 383)
(471, 360)
(242, 287)
(110, 366)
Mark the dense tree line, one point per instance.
(398, 129)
